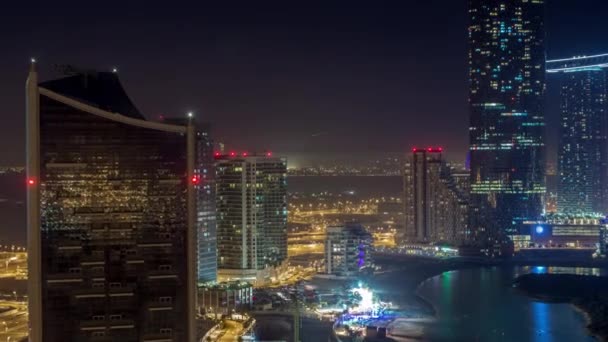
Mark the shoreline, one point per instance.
(421, 270)
(433, 268)
(402, 278)
(588, 321)
(585, 294)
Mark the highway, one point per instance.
(232, 331)
(13, 265)
(13, 321)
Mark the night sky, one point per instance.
(343, 81)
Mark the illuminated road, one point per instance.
(384, 239)
(13, 313)
(308, 248)
(233, 330)
(13, 265)
(13, 321)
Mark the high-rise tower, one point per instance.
(507, 84)
(111, 216)
(583, 149)
(205, 204)
(435, 199)
(251, 214)
(205, 200)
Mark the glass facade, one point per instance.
(251, 212)
(114, 209)
(583, 149)
(507, 84)
(205, 202)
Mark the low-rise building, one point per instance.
(223, 298)
(347, 250)
(561, 231)
(603, 248)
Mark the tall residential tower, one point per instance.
(251, 201)
(507, 85)
(205, 200)
(205, 204)
(436, 201)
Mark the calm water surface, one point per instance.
(481, 305)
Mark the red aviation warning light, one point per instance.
(31, 181)
(268, 154)
(233, 154)
(428, 149)
(435, 149)
(195, 179)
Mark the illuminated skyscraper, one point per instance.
(251, 201)
(206, 217)
(205, 201)
(436, 202)
(111, 216)
(507, 84)
(583, 149)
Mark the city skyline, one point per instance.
(431, 170)
(377, 82)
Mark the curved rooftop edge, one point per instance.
(100, 89)
(109, 115)
(577, 63)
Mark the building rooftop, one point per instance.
(244, 155)
(577, 63)
(99, 89)
(229, 285)
(352, 228)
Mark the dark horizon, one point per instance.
(315, 83)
